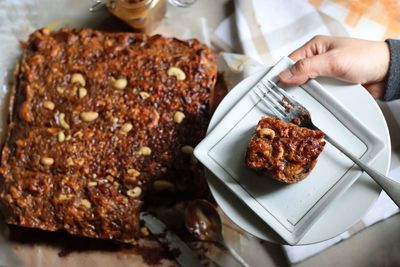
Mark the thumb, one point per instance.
(306, 68)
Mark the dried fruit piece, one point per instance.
(52, 130)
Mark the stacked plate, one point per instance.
(258, 204)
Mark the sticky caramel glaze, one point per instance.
(284, 151)
(83, 161)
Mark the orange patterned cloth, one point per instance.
(386, 13)
(268, 30)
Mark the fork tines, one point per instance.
(270, 94)
(283, 92)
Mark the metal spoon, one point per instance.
(203, 221)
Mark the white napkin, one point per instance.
(267, 30)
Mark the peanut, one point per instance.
(126, 127)
(133, 172)
(89, 116)
(145, 151)
(120, 83)
(86, 203)
(48, 105)
(70, 161)
(47, 161)
(179, 116)
(92, 184)
(61, 136)
(63, 197)
(135, 192)
(144, 95)
(63, 123)
(82, 92)
(60, 90)
(78, 78)
(267, 132)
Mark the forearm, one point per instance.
(392, 87)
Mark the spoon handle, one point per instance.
(233, 253)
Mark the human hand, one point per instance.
(347, 59)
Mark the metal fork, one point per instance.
(287, 108)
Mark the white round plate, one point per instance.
(345, 210)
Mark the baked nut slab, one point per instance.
(98, 122)
(284, 151)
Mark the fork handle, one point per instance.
(391, 187)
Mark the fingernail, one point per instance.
(285, 75)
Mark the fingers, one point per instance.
(300, 53)
(307, 68)
(316, 46)
(310, 62)
(377, 90)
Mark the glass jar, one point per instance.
(143, 15)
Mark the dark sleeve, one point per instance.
(392, 87)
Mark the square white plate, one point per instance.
(288, 209)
